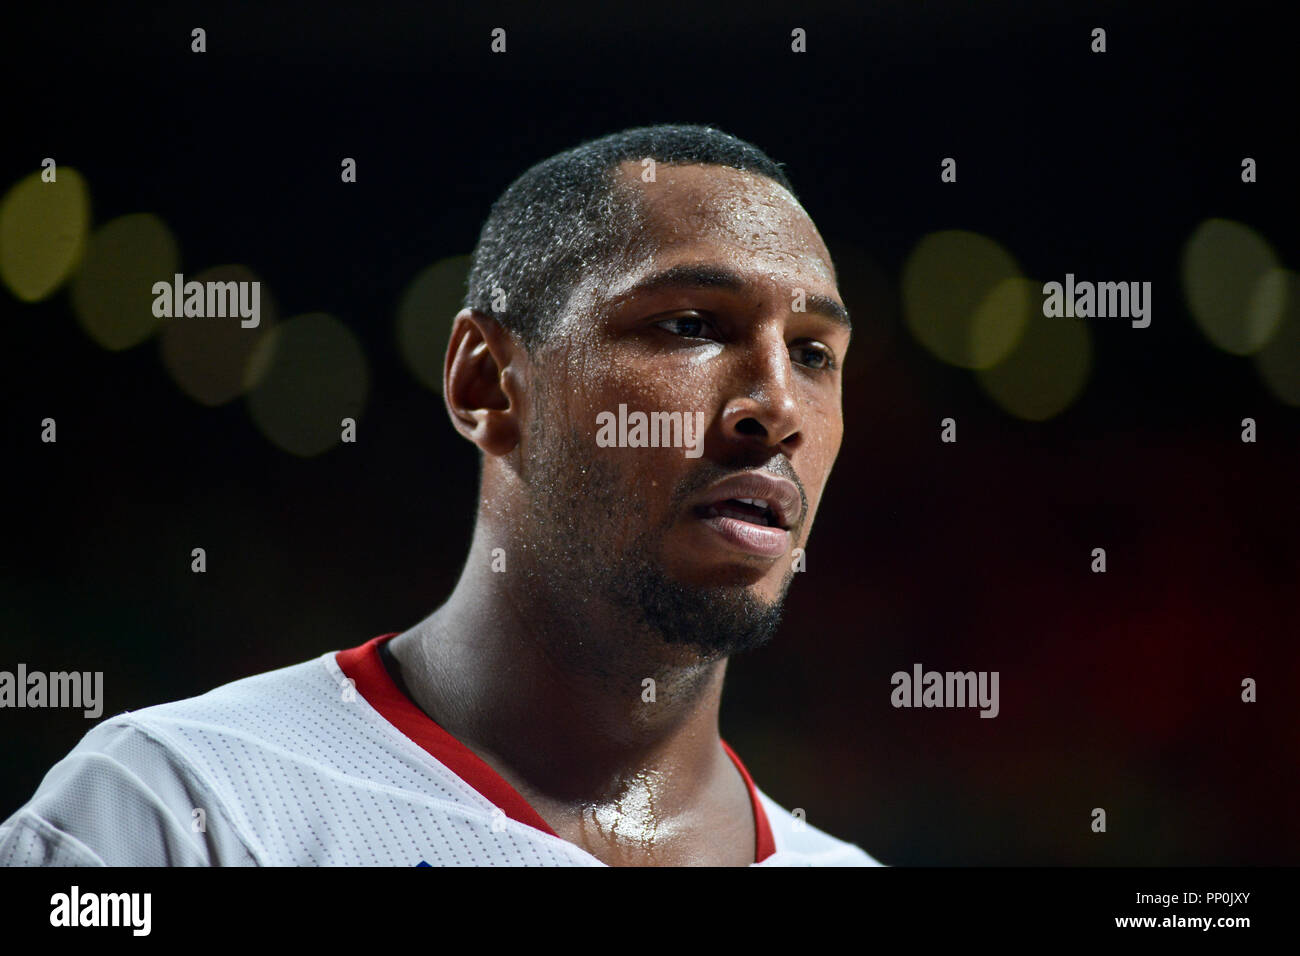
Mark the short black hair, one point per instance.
(566, 216)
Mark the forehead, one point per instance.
(695, 209)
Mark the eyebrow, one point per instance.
(688, 276)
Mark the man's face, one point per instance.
(732, 313)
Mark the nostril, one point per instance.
(750, 426)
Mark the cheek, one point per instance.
(824, 435)
(604, 378)
(596, 387)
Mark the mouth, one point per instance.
(753, 512)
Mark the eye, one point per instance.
(814, 355)
(690, 325)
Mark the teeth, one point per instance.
(769, 519)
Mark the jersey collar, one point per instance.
(365, 668)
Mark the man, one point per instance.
(649, 362)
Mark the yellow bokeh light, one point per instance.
(43, 227)
(1046, 371)
(112, 291)
(1223, 265)
(308, 374)
(1278, 362)
(207, 357)
(1000, 319)
(424, 317)
(955, 302)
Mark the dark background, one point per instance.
(1119, 691)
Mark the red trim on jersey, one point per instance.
(764, 840)
(363, 665)
(373, 682)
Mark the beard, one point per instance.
(582, 504)
(714, 621)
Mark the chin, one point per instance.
(738, 572)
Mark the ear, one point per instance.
(480, 382)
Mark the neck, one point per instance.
(551, 686)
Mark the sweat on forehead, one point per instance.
(698, 197)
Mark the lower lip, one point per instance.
(751, 538)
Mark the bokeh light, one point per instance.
(1278, 362)
(955, 300)
(208, 357)
(306, 375)
(43, 229)
(112, 291)
(1000, 319)
(424, 316)
(1233, 289)
(1048, 368)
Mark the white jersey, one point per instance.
(324, 763)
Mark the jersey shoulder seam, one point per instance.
(175, 752)
(27, 818)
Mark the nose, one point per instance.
(764, 411)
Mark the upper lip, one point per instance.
(781, 494)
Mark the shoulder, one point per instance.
(171, 784)
(288, 767)
(123, 796)
(225, 733)
(800, 843)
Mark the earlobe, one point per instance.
(479, 378)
